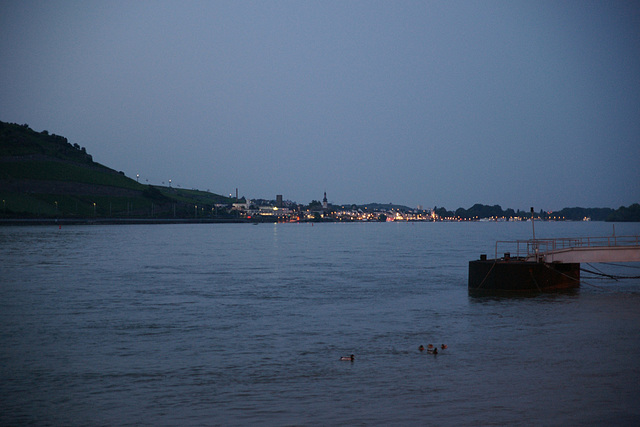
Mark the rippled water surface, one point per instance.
(233, 324)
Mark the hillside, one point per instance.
(43, 175)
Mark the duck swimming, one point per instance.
(421, 348)
(348, 358)
(432, 351)
(443, 346)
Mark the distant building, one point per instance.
(279, 201)
(325, 204)
(242, 206)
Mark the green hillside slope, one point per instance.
(43, 175)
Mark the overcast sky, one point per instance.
(516, 103)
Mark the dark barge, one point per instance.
(517, 275)
(547, 265)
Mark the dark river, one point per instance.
(234, 324)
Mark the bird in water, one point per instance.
(421, 348)
(432, 350)
(443, 346)
(348, 358)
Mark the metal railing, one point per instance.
(538, 247)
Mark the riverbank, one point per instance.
(114, 221)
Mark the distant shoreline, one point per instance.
(114, 221)
(138, 221)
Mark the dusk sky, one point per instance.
(516, 103)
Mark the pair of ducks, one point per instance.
(431, 349)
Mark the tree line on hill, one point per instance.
(479, 211)
(20, 140)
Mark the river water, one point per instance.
(236, 324)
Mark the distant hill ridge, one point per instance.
(20, 140)
(44, 175)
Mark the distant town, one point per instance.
(280, 210)
(45, 177)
